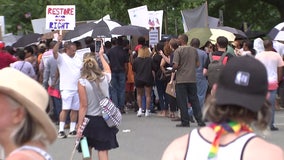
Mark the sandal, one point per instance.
(162, 114)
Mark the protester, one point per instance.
(23, 65)
(160, 78)
(118, 63)
(143, 78)
(129, 86)
(273, 63)
(185, 62)
(69, 66)
(166, 62)
(5, 58)
(99, 135)
(51, 84)
(201, 81)
(31, 56)
(25, 130)
(238, 104)
(222, 43)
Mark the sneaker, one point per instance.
(61, 135)
(183, 125)
(139, 113)
(147, 113)
(273, 128)
(201, 124)
(72, 134)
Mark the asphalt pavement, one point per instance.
(145, 138)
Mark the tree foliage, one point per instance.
(259, 14)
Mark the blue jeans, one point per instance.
(117, 90)
(188, 92)
(57, 107)
(202, 86)
(272, 98)
(161, 89)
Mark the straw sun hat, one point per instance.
(30, 94)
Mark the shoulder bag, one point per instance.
(110, 112)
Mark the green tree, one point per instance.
(259, 14)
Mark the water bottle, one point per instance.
(105, 116)
(85, 148)
(107, 119)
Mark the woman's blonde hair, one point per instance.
(223, 113)
(91, 70)
(144, 52)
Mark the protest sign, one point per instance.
(60, 17)
(139, 16)
(81, 52)
(153, 37)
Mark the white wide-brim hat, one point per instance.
(31, 95)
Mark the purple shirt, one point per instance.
(25, 67)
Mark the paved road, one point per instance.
(146, 138)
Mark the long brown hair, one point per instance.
(144, 52)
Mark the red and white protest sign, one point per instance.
(60, 17)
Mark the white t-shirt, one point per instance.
(69, 69)
(271, 61)
(92, 96)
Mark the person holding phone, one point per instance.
(118, 58)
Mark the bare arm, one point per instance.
(204, 71)
(162, 64)
(83, 106)
(56, 47)
(104, 62)
(167, 59)
(177, 149)
(280, 73)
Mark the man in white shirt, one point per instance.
(69, 66)
(273, 63)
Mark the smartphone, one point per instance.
(98, 45)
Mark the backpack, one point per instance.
(214, 69)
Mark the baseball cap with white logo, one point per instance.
(243, 82)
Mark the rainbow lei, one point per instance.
(224, 128)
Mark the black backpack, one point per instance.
(214, 69)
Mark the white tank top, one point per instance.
(198, 147)
(41, 152)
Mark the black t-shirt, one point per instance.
(117, 58)
(156, 61)
(143, 67)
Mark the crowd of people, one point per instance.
(137, 78)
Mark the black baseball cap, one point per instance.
(243, 82)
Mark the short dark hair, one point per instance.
(89, 40)
(21, 54)
(195, 42)
(222, 42)
(108, 44)
(113, 40)
(29, 49)
(268, 44)
(183, 37)
(142, 41)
